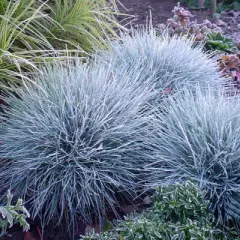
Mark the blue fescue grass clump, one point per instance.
(198, 137)
(170, 62)
(73, 140)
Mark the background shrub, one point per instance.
(166, 62)
(199, 138)
(74, 141)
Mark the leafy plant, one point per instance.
(11, 214)
(198, 139)
(75, 140)
(181, 202)
(163, 62)
(180, 212)
(210, 33)
(217, 41)
(181, 24)
(230, 66)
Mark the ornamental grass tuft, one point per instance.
(198, 137)
(171, 62)
(74, 141)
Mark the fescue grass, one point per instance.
(198, 137)
(170, 62)
(74, 141)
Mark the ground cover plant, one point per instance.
(182, 24)
(74, 141)
(198, 138)
(211, 35)
(179, 212)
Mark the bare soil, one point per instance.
(160, 10)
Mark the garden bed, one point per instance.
(161, 10)
(206, 71)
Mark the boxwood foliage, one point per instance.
(73, 141)
(170, 62)
(199, 138)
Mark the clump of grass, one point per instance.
(33, 32)
(84, 24)
(198, 137)
(21, 41)
(170, 62)
(74, 141)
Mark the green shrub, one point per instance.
(11, 214)
(179, 213)
(218, 42)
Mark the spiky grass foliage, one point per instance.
(171, 62)
(74, 141)
(86, 24)
(199, 138)
(21, 41)
(33, 32)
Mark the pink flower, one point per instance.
(166, 91)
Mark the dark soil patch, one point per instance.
(161, 10)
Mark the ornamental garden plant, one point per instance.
(93, 120)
